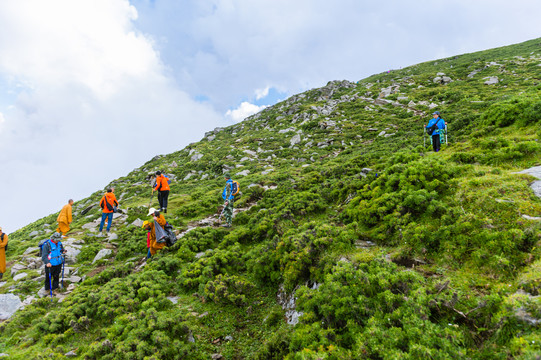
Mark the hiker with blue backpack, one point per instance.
(436, 127)
(230, 190)
(52, 254)
(162, 187)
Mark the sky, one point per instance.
(91, 89)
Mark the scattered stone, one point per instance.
(31, 250)
(137, 223)
(196, 156)
(228, 338)
(243, 173)
(16, 268)
(288, 303)
(492, 80)
(71, 353)
(102, 254)
(71, 254)
(75, 279)
(34, 233)
(295, 140)
(112, 236)
(204, 314)
(9, 304)
(173, 299)
(533, 218)
(381, 133)
(20, 276)
(216, 356)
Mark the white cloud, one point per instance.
(92, 101)
(243, 111)
(262, 93)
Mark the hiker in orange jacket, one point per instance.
(151, 228)
(108, 204)
(162, 186)
(64, 218)
(3, 244)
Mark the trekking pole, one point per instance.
(51, 284)
(63, 262)
(221, 214)
(424, 138)
(446, 129)
(151, 195)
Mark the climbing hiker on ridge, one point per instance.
(229, 196)
(3, 247)
(64, 218)
(162, 187)
(108, 204)
(436, 127)
(52, 255)
(152, 229)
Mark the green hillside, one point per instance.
(354, 240)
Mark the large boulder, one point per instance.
(9, 304)
(102, 254)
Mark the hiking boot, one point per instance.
(165, 210)
(1, 275)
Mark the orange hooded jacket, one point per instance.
(161, 183)
(111, 200)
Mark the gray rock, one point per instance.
(42, 292)
(31, 250)
(34, 233)
(533, 218)
(20, 276)
(71, 254)
(283, 131)
(243, 173)
(112, 236)
(75, 279)
(196, 156)
(9, 304)
(102, 254)
(212, 137)
(250, 152)
(536, 185)
(16, 268)
(71, 353)
(381, 133)
(91, 225)
(173, 299)
(137, 222)
(228, 338)
(295, 140)
(492, 80)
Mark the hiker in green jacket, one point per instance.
(229, 198)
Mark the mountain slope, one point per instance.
(354, 240)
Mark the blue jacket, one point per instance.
(228, 191)
(52, 253)
(441, 125)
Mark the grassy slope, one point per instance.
(452, 248)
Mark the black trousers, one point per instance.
(436, 142)
(55, 272)
(162, 198)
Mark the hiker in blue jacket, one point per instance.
(52, 256)
(436, 124)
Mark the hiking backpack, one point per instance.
(235, 188)
(170, 237)
(2, 239)
(40, 245)
(433, 128)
